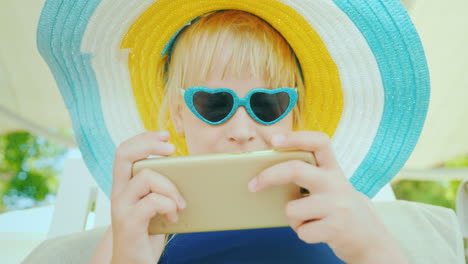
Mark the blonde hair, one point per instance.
(252, 44)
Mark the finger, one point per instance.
(316, 142)
(313, 207)
(153, 204)
(294, 223)
(148, 181)
(137, 148)
(295, 171)
(315, 232)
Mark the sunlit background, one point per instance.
(37, 142)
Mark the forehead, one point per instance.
(240, 86)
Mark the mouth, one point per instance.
(247, 149)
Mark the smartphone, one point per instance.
(215, 189)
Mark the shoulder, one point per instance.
(428, 233)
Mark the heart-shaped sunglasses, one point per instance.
(216, 106)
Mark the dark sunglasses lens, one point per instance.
(213, 107)
(269, 107)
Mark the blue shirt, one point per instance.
(269, 245)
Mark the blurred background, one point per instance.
(36, 138)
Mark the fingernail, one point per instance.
(163, 134)
(170, 147)
(182, 203)
(176, 218)
(278, 140)
(253, 185)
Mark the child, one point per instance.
(241, 53)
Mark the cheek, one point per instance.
(285, 125)
(204, 142)
(199, 136)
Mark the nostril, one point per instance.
(240, 139)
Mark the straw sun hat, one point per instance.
(364, 69)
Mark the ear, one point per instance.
(177, 119)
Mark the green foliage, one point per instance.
(458, 162)
(441, 193)
(436, 193)
(28, 169)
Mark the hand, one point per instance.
(138, 198)
(334, 213)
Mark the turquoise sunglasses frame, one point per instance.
(245, 102)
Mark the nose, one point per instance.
(240, 127)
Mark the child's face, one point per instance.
(239, 133)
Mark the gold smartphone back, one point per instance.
(215, 189)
